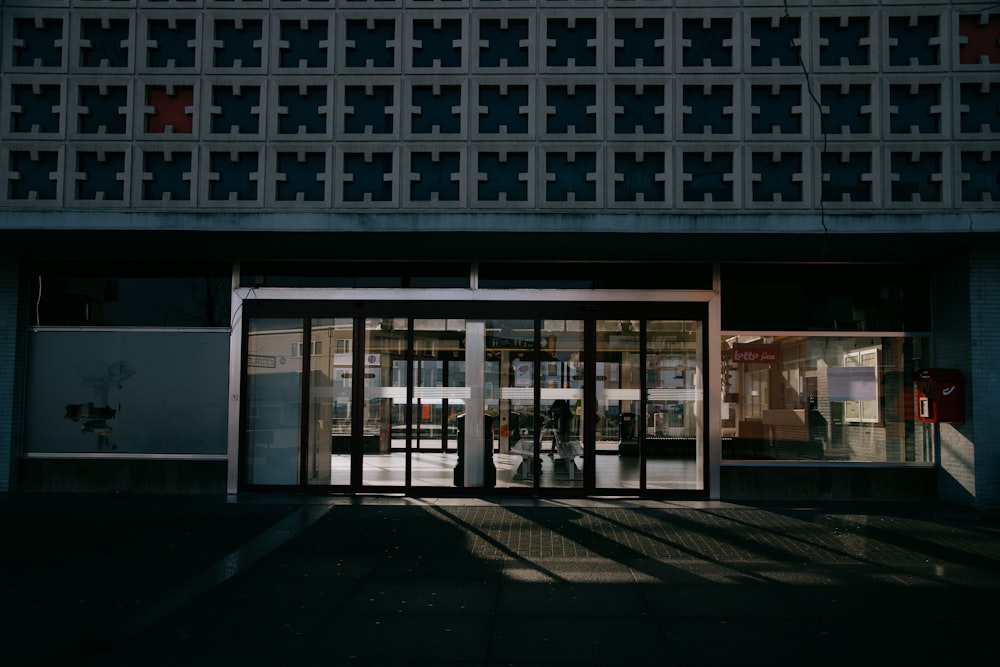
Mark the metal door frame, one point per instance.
(589, 305)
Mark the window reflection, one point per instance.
(509, 391)
(330, 401)
(674, 405)
(440, 396)
(562, 377)
(618, 390)
(383, 425)
(821, 398)
(273, 397)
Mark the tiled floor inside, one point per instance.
(437, 469)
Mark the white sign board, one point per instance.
(852, 384)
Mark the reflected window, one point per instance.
(859, 386)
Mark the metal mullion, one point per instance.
(536, 450)
(588, 422)
(357, 403)
(243, 448)
(445, 367)
(408, 420)
(641, 426)
(304, 400)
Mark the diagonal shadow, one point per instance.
(918, 535)
(514, 555)
(741, 540)
(564, 521)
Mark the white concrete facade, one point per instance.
(717, 131)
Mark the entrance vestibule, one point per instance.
(601, 399)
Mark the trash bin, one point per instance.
(489, 469)
(628, 444)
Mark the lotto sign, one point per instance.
(755, 354)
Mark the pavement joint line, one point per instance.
(100, 640)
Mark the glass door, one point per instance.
(510, 384)
(649, 388)
(562, 376)
(674, 443)
(438, 403)
(328, 455)
(618, 390)
(536, 403)
(273, 400)
(382, 417)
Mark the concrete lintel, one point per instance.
(620, 223)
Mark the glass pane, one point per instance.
(329, 457)
(821, 398)
(618, 399)
(127, 391)
(273, 397)
(383, 430)
(510, 399)
(562, 379)
(834, 298)
(147, 294)
(439, 399)
(674, 398)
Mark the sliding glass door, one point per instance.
(673, 452)
(649, 389)
(547, 405)
(437, 402)
(328, 458)
(535, 376)
(618, 390)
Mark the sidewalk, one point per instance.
(291, 580)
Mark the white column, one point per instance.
(475, 378)
(235, 373)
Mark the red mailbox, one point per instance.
(940, 395)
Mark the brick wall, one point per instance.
(8, 365)
(983, 385)
(953, 349)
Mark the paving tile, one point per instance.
(386, 581)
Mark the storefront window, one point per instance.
(121, 392)
(821, 398)
(128, 358)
